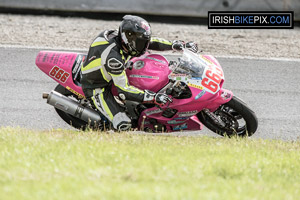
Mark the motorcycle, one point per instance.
(194, 83)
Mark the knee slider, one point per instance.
(124, 126)
(121, 122)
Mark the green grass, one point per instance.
(88, 165)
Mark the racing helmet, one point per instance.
(135, 35)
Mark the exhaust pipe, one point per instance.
(71, 107)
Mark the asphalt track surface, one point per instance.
(269, 87)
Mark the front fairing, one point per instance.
(204, 77)
(201, 72)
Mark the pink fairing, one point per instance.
(149, 72)
(206, 89)
(62, 67)
(204, 79)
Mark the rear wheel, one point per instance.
(69, 119)
(232, 118)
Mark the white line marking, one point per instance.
(165, 54)
(259, 58)
(43, 48)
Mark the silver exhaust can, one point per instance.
(71, 107)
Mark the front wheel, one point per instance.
(231, 118)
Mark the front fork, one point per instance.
(223, 96)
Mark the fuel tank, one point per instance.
(149, 72)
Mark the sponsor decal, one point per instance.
(114, 64)
(225, 95)
(183, 79)
(138, 64)
(187, 114)
(200, 94)
(56, 58)
(175, 122)
(181, 118)
(161, 61)
(61, 106)
(92, 58)
(74, 92)
(180, 127)
(77, 64)
(143, 76)
(178, 77)
(196, 78)
(45, 58)
(52, 57)
(195, 86)
(151, 112)
(59, 74)
(39, 56)
(207, 60)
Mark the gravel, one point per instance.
(78, 33)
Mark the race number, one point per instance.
(212, 79)
(59, 74)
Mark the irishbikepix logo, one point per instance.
(246, 19)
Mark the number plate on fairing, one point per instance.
(199, 72)
(212, 78)
(59, 74)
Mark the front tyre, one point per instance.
(231, 118)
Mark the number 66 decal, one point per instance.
(210, 85)
(59, 74)
(212, 79)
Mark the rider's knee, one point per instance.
(123, 126)
(121, 122)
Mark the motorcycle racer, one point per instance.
(105, 65)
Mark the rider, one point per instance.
(105, 65)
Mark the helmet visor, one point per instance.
(142, 45)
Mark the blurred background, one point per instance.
(186, 8)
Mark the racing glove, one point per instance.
(156, 98)
(180, 45)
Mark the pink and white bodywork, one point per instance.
(152, 72)
(63, 67)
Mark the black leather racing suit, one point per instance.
(104, 65)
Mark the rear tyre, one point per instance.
(69, 119)
(236, 118)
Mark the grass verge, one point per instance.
(62, 164)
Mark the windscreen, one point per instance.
(190, 64)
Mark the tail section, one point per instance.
(63, 67)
